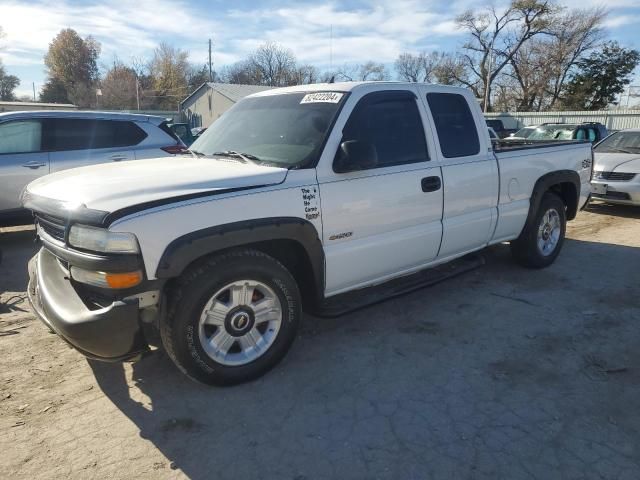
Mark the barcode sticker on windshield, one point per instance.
(321, 97)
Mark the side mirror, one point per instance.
(354, 155)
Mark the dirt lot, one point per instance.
(500, 373)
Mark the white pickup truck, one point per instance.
(297, 198)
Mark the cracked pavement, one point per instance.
(500, 373)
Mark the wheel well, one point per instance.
(568, 193)
(294, 257)
(289, 253)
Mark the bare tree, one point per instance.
(542, 66)
(273, 65)
(418, 68)
(362, 72)
(305, 74)
(496, 36)
(450, 70)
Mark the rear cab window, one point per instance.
(455, 125)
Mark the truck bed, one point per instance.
(504, 145)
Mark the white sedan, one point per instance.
(616, 171)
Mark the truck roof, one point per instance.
(344, 87)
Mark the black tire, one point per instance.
(525, 249)
(180, 329)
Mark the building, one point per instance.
(210, 100)
(27, 106)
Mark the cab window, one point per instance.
(388, 127)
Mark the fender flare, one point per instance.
(184, 250)
(544, 184)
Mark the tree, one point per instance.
(305, 74)
(496, 36)
(541, 67)
(168, 70)
(362, 72)
(72, 66)
(273, 65)
(451, 70)
(119, 87)
(601, 77)
(8, 84)
(241, 73)
(197, 76)
(54, 91)
(417, 68)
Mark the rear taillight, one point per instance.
(174, 149)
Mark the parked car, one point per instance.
(591, 131)
(522, 134)
(498, 127)
(224, 250)
(33, 144)
(616, 175)
(183, 132)
(492, 134)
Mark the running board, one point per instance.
(357, 299)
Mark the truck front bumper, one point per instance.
(112, 333)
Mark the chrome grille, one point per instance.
(616, 176)
(52, 226)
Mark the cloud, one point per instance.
(133, 28)
(621, 20)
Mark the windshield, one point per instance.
(286, 130)
(552, 132)
(524, 132)
(621, 142)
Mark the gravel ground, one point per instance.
(501, 373)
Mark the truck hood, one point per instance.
(110, 187)
(617, 162)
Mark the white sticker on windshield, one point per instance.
(322, 97)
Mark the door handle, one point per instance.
(117, 158)
(34, 165)
(431, 184)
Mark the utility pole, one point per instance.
(34, 90)
(488, 85)
(210, 63)
(137, 93)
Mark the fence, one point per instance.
(612, 119)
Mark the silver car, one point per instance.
(616, 171)
(33, 144)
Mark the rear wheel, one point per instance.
(232, 319)
(541, 241)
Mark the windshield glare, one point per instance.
(282, 130)
(552, 133)
(620, 142)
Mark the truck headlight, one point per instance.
(102, 240)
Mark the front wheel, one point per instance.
(541, 240)
(233, 318)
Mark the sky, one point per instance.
(323, 33)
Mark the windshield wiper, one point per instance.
(245, 157)
(194, 153)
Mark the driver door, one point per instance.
(381, 217)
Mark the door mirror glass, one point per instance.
(355, 155)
